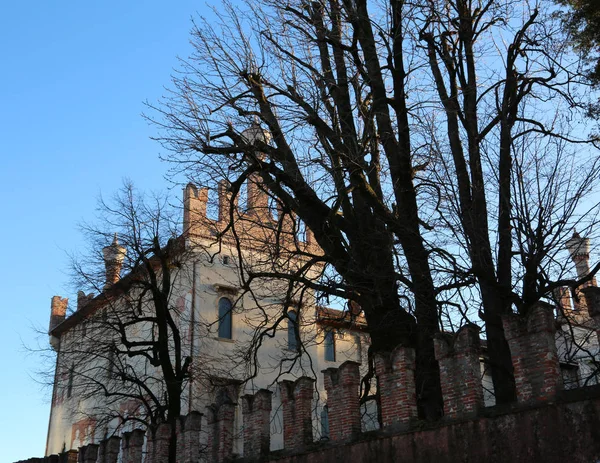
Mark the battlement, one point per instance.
(460, 375)
(259, 226)
(562, 430)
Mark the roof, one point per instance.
(341, 318)
(113, 292)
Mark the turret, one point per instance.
(579, 249)
(258, 199)
(255, 133)
(113, 261)
(58, 311)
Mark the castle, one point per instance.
(288, 409)
(215, 318)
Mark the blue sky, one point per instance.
(73, 82)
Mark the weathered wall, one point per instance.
(566, 431)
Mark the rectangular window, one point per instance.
(110, 362)
(570, 375)
(329, 345)
(292, 338)
(358, 345)
(324, 423)
(225, 328)
(70, 383)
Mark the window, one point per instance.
(225, 260)
(570, 375)
(225, 307)
(325, 423)
(358, 344)
(292, 322)
(110, 360)
(329, 344)
(70, 383)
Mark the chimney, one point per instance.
(579, 249)
(58, 310)
(563, 297)
(113, 261)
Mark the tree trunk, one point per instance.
(498, 350)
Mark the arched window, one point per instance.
(225, 307)
(329, 345)
(292, 322)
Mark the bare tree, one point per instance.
(336, 161)
(503, 83)
(122, 357)
(382, 118)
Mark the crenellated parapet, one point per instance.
(531, 339)
(157, 444)
(342, 386)
(188, 438)
(296, 402)
(460, 373)
(88, 454)
(195, 202)
(220, 418)
(256, 411)
(108, 450)
(132, 444)
(396, 381)
(256, 226)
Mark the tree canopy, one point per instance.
(434, 149)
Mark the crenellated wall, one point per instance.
(547, 423)
(460, 374)
(565, 430)
(534, 355)
(397, 393)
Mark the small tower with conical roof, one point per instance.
(113, 261)
(258, 199)
(579, 249)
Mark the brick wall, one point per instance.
(296, 402)
(256, 409)
(188, 440)
(342, 386)
(534, 355)
(157, 446)
(220, 422)
(460, 375)
(567, 431)
(396, 381)
(132, 444)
